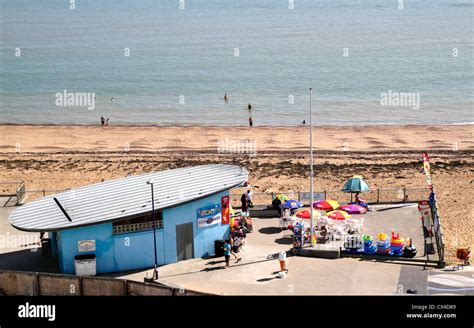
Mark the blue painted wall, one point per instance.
(203, 237)
(135, 250)
(67, 247)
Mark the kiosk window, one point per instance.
(141, 223)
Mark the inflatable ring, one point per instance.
(398, 241)
(398, 244)
(368, 238)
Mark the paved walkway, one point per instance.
(21, 250)
(256, 274)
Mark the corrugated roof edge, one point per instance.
(240, 184)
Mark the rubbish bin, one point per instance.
(85, 265)
(46, 247)
(219, 248)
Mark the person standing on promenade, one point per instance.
(249, 199)
(282, 260)
(232, 244)
(227, 251)
(244, 203)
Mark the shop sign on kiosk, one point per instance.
(86, 246)
(425, 210)
(225, 203)
(209, 215)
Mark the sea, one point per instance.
(168, 62)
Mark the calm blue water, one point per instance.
(283, 52)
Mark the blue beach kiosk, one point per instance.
(113, 222)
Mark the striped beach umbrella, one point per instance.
(338, 215)
(282, 197)
(305, 214)
(326, 205)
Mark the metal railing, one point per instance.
(375, 196)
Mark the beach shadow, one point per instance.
(29, 260)
(266, 279)
(215, 262)
(284, 240)
(270, 230)
(213, 269)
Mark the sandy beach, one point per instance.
(59, 157)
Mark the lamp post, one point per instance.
(155, 271)
(311, 166)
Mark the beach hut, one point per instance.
(113, 221)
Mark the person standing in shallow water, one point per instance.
(226, 98)
(250, 121)
(249, 107)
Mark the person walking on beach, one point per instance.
(227, 251)
(250, 121)
(102, 120)
(226, 98)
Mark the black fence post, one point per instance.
(378, 195)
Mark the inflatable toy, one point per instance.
(397, 245)
(410, 249)
(383, 244)
(369, 247)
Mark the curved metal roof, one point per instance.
(115, 199)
